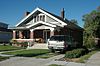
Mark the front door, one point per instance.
(46, 35)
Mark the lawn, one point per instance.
(55, 65)
(8, 48)
(29, 53)
(3, 58)
(47, 55)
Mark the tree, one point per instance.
(91, 25)
(74, 21)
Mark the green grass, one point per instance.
(3, 58)
(8, 48)
(29, 53)
(83, 59)
(55, 65)
(45, 56)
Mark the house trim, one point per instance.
(38, 9)
(40, 22)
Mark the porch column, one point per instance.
(51, 32)
(14, 34)
(31, 34)
(20, 35)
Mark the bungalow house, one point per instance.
(40, 24)
(5, 33)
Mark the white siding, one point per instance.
(49, 19)
(52, 21)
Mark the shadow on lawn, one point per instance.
(30, 55)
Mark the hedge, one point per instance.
(75, 53)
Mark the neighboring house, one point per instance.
(40, 24)
(5, 33)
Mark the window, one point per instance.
(35, 19)
(39, 18)
(43, 19)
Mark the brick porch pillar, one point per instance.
(14, 34)
(20, 35)
(31, 34)
(51, 32)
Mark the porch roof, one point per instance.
(40, 22)
(20, 28)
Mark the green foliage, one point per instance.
(89, 42)
(75, 53)
(91, 27)
(23, 44)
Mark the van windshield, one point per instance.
(57, 38)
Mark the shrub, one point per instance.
(23, 44)
(89, 42)
(75, 53)
(20, 44)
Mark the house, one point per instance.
(40, 24)
(5, 33)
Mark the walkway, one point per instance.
(94, 60)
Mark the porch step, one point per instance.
(39, 46)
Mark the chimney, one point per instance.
(27, 13)
(62, 13)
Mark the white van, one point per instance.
(59, 43)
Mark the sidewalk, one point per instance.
(94, 60)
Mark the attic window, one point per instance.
(39, 18)
(35, 19)
(43, 18)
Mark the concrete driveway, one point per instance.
(31, 61)
(94, 60)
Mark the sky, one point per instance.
(12, 11)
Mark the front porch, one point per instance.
(38, 35)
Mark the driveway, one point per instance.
(32, 61)
(94, 60)
(28, 61)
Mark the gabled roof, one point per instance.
(64, 22)
(45, 12)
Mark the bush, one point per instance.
(23, 44)
(75, 53)
(20, 44)
(89, 42)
